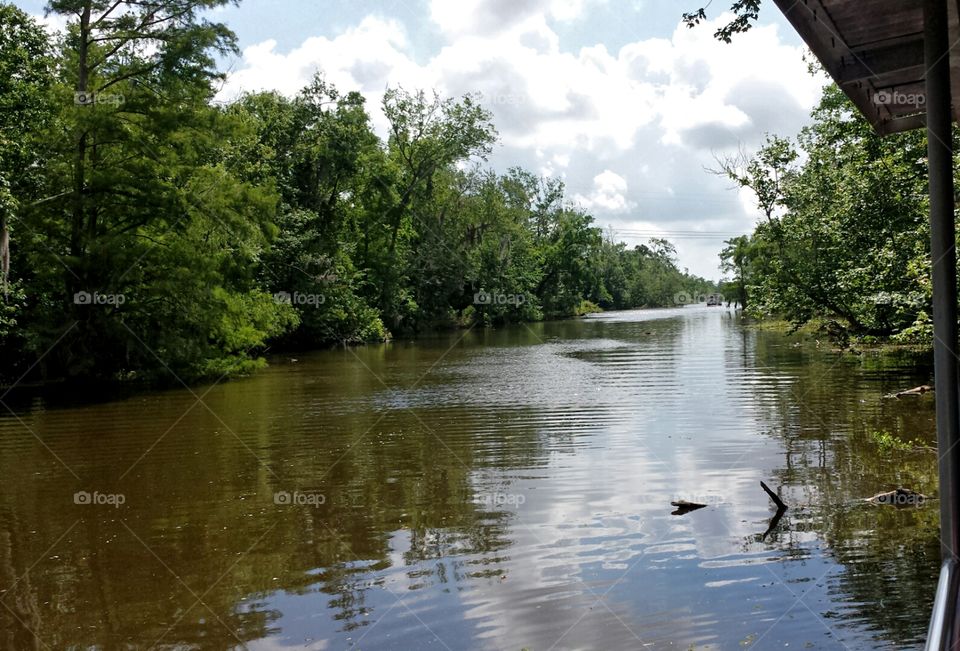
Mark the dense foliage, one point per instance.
(845, 236)
(155, 233)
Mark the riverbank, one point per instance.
(816, 333)
(162, 377)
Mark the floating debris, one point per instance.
(900, 497)
(683, 507)
(776, 498)
(915, 391)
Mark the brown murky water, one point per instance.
(501, 489)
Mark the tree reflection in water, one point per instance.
(200, 554)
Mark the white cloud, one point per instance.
(368, 58)
(54, 24)
(619, 127)
(493, 16)
(609, 194)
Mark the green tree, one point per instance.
(26, 109)
(735, 259)
(570, 263)
(844, 232)
(319, 149)
(428, 134)
(140, 204)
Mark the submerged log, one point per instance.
(900, 497)
(774, 521)
(781, 509)
(915, 391)
(776, 498)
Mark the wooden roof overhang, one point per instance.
(873, 49)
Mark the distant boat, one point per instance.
(714, 299)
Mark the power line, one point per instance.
(690, 235)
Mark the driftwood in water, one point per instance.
(915, 391)
(683, 506)
(776, 498)
(900, 497)
(774, 521)
(781, 509)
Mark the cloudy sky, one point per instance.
(618, 98)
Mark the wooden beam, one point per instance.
(898, 125)
(875, 63)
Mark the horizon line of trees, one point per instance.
(148, 232)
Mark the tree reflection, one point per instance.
(201, 555)
(825, 417)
